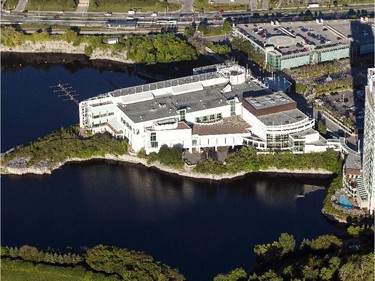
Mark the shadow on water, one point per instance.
(71, 63)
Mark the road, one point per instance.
(145, 19)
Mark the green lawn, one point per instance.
(10, 4)
(51, 5)
(16, 270)
(121, 6)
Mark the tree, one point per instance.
(324, 242)
(189, 31)
(202, 28)
(237, 274)
(287, 243)
(348, 122)
(29, 253)
(322, 129)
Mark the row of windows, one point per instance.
(208, 118)
(102, 115)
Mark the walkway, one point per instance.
(83, 6)
(21, 6)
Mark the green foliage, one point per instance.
(287, 243)
(162, 48)
(322, 129)
(202, 28)
(171, 156)
(18, 270)
(301, 88)
(189, 31)
(237, 274)
(10, 36)
(325, 242)
(267, 276)
(358, 267)
(220, 49)
(65, 143)
(123, 6)
(70, 36)
(354, 230)
(271, 252)
(246, 159)
(129, 265)
(348, 122)
(253, 54)
(51, 5)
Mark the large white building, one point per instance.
(222, 105)
(368, 162)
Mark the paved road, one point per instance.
(21, 5)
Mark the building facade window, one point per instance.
(182, 114)
(154, 143)
(232, 104)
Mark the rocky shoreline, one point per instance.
(62, 47)
(43, 167)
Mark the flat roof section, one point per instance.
(363, 32)
(353, 161)
(303, 134)
(282, 118)
(268, 101)
(229, 125)
(167, 106)
(295, 37)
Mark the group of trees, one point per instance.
(169, 156)
(116, 263)
(253, 54)
(162, 48)
(246, 159)
(220, 49)
(326, 257)
(59, 145)
(29, 253)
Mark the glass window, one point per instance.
(154, 143)
(182, 114)
(232, 107)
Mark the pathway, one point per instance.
(21, 6)
(265, 5)
(83, 6)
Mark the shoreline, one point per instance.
(185, 172)
(62, 47)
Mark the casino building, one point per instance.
(221, 105)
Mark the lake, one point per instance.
(201, 227)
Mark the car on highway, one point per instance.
(108, 14)
(154, 14)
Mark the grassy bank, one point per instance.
(141, 6)
(52, 5)
(98, 263)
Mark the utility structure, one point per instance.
(65, 91)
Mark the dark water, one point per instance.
(201, 227)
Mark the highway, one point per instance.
(182, 18)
